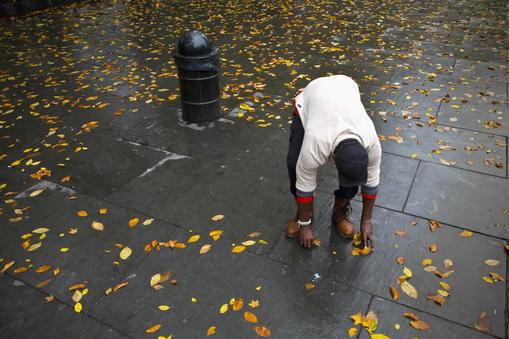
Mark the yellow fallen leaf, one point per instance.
(407, 272)
(34, 246)
(125, 253)
(36, 193)
(211, 331)
(153, 328)
(250, 317)
(491, 262)
(248, 242)
(262, 331)
(76, 297)
(96, 225)
(352, 332)
(217, 217)
(205, 248)
(78, 307)
(223, 309)
(466, 233)
(238, 249)
(103, 211)
(356, 318)
(148, 222)
(133, 222)
(427, 262)
(164, 307)
(193, 238)
(156, 278)
(409, 289)
(254, 303)
(216, 234)
(40, 230)
(379, 336)
(82, 213)
(309, 286)
(43, 269)
(64, 249)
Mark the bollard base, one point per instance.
(204, 112)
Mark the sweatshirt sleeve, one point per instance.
(370, 189)
(312, 155)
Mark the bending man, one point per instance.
(330, 123)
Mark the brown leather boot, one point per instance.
(341, 218)
(292, 228)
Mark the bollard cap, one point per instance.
(194, 43)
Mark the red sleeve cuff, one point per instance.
(368, 196)
(304, 200)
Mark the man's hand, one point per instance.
(306, 236)
(367, 233)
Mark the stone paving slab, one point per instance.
(461, 198)
(396, 176)
(477, 105)
(470, 150)
(390, 314)
(102, 165)
(481, 70)
(363, 272)
(92, 256)
(25, 313)
(214, 278)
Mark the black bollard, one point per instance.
(198, 71)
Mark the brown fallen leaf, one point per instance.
(211, 331)
(497, 277)
(434, 225)
(43, 283)
(82, 213)
(119, 286)
(483, 324)
(238, 304)
(394, 293)
(7, 266)
(400, 260)
(43, 269)
(250, 317)
(262, 331)
(77, 286)
(420, 325)
(309, 286)
(438, 299)
(133, 222)
(433, 247)
(411, 316)
(153, 328)
(400, 233)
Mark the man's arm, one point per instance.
(369, 192)
(311, 157)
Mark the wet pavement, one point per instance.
(105, 189)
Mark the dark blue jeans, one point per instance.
(296, 138)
